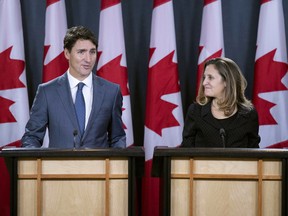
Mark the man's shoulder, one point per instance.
(105, 82)
(54, 82)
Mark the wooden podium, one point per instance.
(74, 182)
(222, 182)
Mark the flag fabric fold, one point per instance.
(211, 38)
(270, 92)
(164, 114)
(112, 58)
(14, 111)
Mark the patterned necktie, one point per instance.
(80, 107)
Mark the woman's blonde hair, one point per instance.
(234, 93)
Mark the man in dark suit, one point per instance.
(55, 108)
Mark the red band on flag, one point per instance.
(50, 2)
(159, 2)
(206, 2)
(108, 3)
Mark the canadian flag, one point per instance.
(270, 94)
(164, 114)
(14, 109)
(55, 63)
(211, 38)
(112, 57)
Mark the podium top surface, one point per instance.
(164, 154)
(55, 152)
(220, 152)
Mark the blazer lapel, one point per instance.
(209, 119)
(239, 120)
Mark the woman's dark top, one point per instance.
(202, 129)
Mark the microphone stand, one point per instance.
(75, 133)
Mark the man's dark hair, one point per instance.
(78, 32)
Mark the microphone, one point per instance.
(223, 135)
(75, 133)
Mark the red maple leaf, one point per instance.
(267, 78)
(162, 80)
(54, 68)
(5, 114)
(116, 73)
(11, 69)
(201, 65)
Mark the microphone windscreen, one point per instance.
(75, 133)
(222, 132)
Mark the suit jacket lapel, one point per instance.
(66, 99)
(98, 97)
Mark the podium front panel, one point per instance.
(225, 187)
(219, 182)
(73, 186)
(81, 182)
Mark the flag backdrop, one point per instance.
(211, 39)
(240, 25)
(14, 109)
(271, 77)
(243, 27)
(112, 57)
(55, 63)
(164, 115)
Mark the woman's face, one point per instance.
(214, 85)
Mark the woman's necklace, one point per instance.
(217, 112)
(214, 104)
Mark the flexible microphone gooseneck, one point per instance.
(75, 133)
(223, 135)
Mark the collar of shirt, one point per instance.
(87, 92)
(73, 82)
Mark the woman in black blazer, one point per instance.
(221, 116)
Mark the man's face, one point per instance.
(82, 59)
